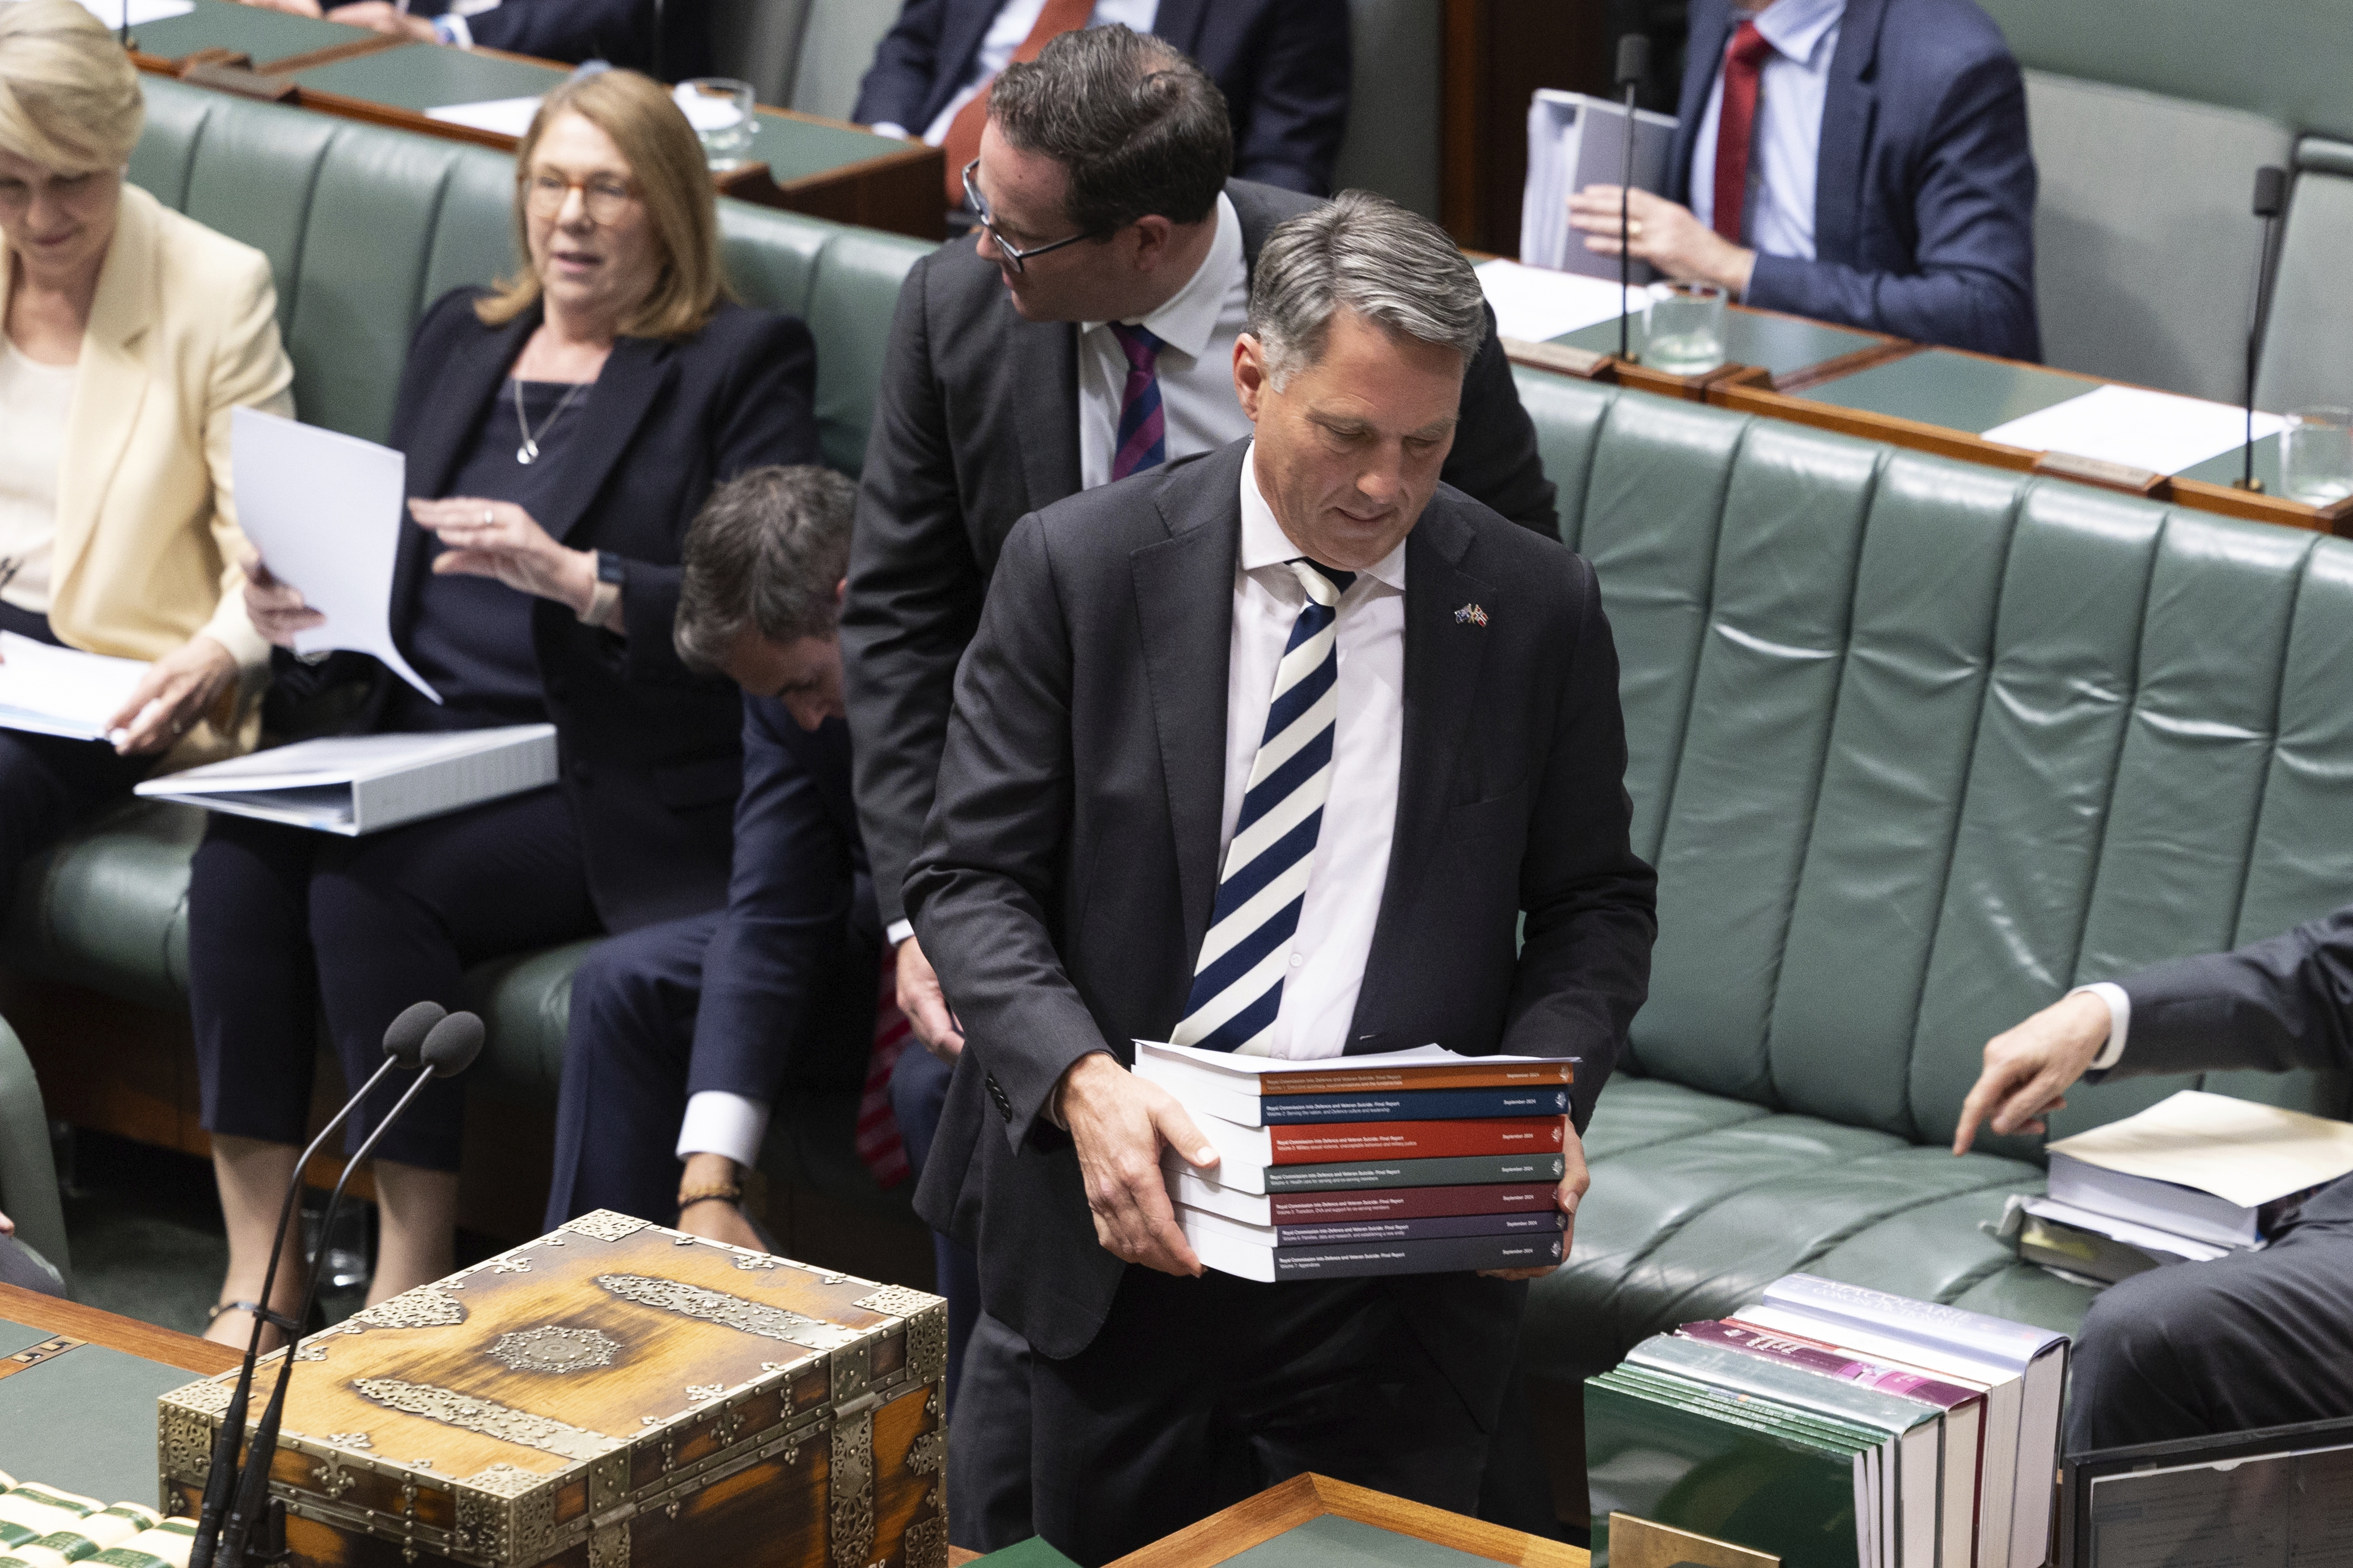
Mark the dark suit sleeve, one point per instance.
(1588, 899)
(914, 596)
(764, 413)
(788, 905)
(979, 889)
(1494, 458)
(620, 31)
(899, 82)
(1290, 130)
(1973, 209)
(2272, 1006)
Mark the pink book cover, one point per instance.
(1816, 1356)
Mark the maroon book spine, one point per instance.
(1409, 1203)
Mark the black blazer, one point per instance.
(670, 40)
(1069, 870)
(2270, 1007)
(1924, 194)
(977, 423)
(791, 976)
(650, 753)
(1281, 64)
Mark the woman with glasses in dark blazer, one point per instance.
(561, 432)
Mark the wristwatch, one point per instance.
(611, 573)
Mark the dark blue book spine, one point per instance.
(1445, 1255)
(1415, 1105)
(1430, 1229)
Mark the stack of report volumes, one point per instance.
(1838, 1426)
(2194, 1177)
(1415, 1162)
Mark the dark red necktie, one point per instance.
(1743, 62)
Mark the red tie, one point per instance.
(1742, 64)
(879, 1148)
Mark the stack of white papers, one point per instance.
(503, 116)
(61, 690)
(1536, 303)
(2139, 428)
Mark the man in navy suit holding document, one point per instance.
(1267, 750)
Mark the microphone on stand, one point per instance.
(449, 1049)
(1633, 69)
(403, 1039)
(2271, 200)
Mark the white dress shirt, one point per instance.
(1785, 141)
(1351, 847)
(34, 399)
(1197, 329)
(1007, 34)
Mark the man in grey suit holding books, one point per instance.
(1271, 749)
(2252, 1340)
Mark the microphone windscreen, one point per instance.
(2271, 191)
(453, 1044)
(1633, 59)
(405, 1036)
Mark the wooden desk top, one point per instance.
(1256, 1521)
(200, 1358)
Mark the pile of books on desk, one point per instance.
(2194, 1177)
(1415, 1162)
(1838, 1426)
(43, 1527)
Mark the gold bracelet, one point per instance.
(723, 1192)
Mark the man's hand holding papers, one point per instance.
(1120, 1124)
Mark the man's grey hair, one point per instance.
(1392, 267)
(764, 553)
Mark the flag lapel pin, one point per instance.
(1470, 616)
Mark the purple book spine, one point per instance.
(1831, 1361)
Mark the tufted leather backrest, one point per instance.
(365, 226)
(1917, 745)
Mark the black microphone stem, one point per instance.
(223, 1474)
(1625, 256)
(2255, 345)
(253, 1482)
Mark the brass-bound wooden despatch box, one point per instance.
(611, 1396)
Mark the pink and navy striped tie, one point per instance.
(1143, 429)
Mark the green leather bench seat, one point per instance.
(363, 227)
(1915, 746)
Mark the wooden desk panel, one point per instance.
(1257, 1520)
(199, 1358)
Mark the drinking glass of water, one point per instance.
(2316, 455)
(720, 108)
(1682, 327)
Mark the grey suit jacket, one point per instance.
(976, 423)
(1069, 870)
(2272, 1006)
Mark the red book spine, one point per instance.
(1325, 1142)
(1409, 1203)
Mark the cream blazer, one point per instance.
(183, 328)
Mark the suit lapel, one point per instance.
(1711, 25)
(1848, 112)
(1442, 660)
(967, 24)
(111, 382)
(633, 377)
(463, 393)
(1042, 381)
(1185, 601)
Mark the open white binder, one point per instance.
(1574, 141)
(352, 784)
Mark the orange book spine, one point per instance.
(1319, 1143)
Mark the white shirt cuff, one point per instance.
(2119, 1003)
(451, 28)
(890, 128)
(717, 1122)
(900, 931)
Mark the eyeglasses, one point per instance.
(1014, 255)
(604, 197)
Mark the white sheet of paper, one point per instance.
(1376, 1061)
(1537, 303)
(141, 12)
(61, 690)
(326, 512)
(2240, 1152)
(506, 116)
(2154, 430)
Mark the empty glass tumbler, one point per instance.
(720, 108)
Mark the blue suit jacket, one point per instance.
(1281, 64)
(622, 32)
(790, 976)
(1923, 197)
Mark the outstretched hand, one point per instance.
(1120, 1124)
(2030, 1068)
(499, 539)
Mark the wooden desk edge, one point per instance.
(198, 1358)
(1255, 1520)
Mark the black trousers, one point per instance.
(48, 784)
(1199, 1393)
(2255, 1338)
(283, 922)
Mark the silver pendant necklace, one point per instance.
(529, 451)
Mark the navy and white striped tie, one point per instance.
(1238, 979)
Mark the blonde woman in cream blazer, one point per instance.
(131, 334)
